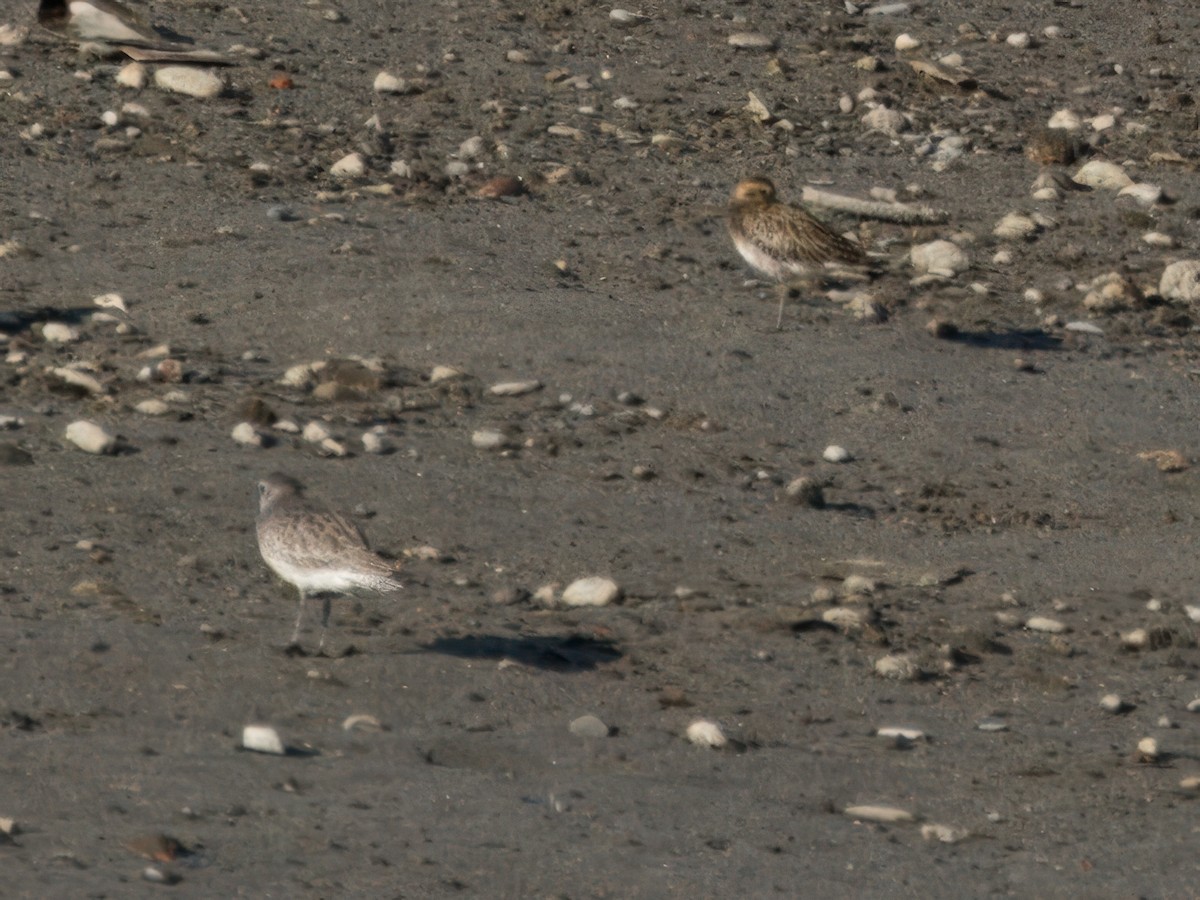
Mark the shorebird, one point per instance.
(317, 550)
(783, 241)
(110, 23)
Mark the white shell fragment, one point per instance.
(879, 813)
(706, 733)
(941, 258)
(514, 388)
(262, 739)
(907, 42)
(90, 437)
(749, 40)
(592, 591)
(361, 722)
(351, 165)
(1181, 281)
(189, 80)
(110, 301)
(79, 379)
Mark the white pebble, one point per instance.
(1018, 39)
(706, 733)
(1104, 122)
(858, 585)
(1147, 749)
(591, 591)
(247, 435)
(879, 813)
(1015, 227)
(946, 834)
(1099, 173)
(897, 666)
(1065, 119)
(1142, 192)
(153, 407)
(941, 258)
(110, 301)
(1112, 703)
(374, 442)
(749, 40)
(387, 83)
(471, 147)
(59, 333)
(90, 437)
(907, 42)
(132, 76)
(1158, 239)
(351, 165)
(1045, 625)
(889, 121)
(444, 373)
(110, 118)
(1194, 706)
(625, 17)
(189, 80)
(1181, 281)
(835, 454)
(844, 617)
(1192, 612)
(1052, 31)
(846, 104)
(1137, 639)
(911, 735)
(588, 727)
(262, 739)
(514, 388)
(315, 432)
(488, 439)
(1002, 258)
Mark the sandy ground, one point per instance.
(995, 473)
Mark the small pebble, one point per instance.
(592, 591)
(992, 724)
(844, 617)
(1018, 39)
(1147, 750)
(262, 739)
(898, 667)
(805, 491)
(1046, 625)
(946, 834)
(59, 333)
(189, 80)
(939, 258)
(1099, 173)
(835, 454)
(132, 75)
(1180, 281)
(387, 83)
(153, 407)
(706, 733)
(750, 40)
(589, 727)
(488, 439)
(90, 437)
(907, 42)
(912, 735)
(247, 435)
(1137, 639)
(858, 585)
(1112, 703)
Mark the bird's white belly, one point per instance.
(765, 263)
(332, 579)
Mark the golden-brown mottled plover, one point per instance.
(780, 240)
(317, 550)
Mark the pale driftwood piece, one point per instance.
(874, 209)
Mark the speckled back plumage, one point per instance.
(313, 547)
(781, 240)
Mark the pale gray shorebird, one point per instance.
(319, 551)
(783, 241)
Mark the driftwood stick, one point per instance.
(875, 209)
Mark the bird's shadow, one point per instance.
(1012, 339)
(573, 653)
(22, 320)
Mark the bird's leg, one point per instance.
(325, 604)
(295, 641)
